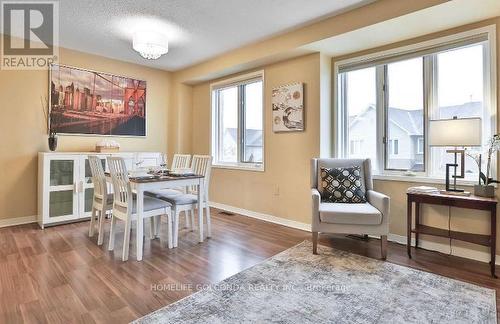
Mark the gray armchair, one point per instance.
(370, 218)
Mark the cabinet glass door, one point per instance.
(62, 195)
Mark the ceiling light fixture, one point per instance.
(150, 45)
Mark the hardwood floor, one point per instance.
(60, 275)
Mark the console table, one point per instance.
(470, 202)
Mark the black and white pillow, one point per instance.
(342, 185)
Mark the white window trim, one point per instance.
(260, 167)
(490, 101)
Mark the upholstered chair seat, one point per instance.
(354, 214)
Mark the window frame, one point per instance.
(430, 86)
(215, 137)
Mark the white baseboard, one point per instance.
(17, 221)
(428, 245)
(262, 216)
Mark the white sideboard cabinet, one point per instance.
(65, 189)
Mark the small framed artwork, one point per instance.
(288, 108)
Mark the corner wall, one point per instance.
(282, 189)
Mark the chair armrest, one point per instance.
(379, 201)
(315, 194)
(316, 198)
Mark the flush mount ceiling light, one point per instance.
(150, 45)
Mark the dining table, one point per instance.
(141, 184)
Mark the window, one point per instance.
(420, 145)
(385, 101)
(405, 114)
(355, 148)
(393, 147)
(361, 112)
(460, 92)
(237, 119)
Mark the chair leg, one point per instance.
(152, 228)
(187, 219)
(315, 242)
(126, 239)
(112, 233)
(169, 229)
(209, 222)
(92, 222)
(100, 237)
(383, 246)
(192, 219)
(157, 225)
(176, 228)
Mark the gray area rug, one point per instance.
(296, 286)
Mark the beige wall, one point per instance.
(282, 189)
(24, 134)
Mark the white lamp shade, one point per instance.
(455, 132)
(151, 45)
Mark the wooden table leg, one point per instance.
(493, 246)
(417, 220)
(408, 226)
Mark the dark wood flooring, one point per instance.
(60, 275)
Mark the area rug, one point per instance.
(296, 286)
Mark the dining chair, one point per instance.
(102, 202)
(164, 160)
(125, 206)
(201, 165)
(181, 161)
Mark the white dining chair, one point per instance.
(125, 206)
(181, 161)
(164, 160)
(201, 165)
(102, 202)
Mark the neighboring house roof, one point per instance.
(253, 136)
(411, 120)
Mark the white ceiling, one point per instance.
(197, 29)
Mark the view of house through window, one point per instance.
(384, 108)
(405, 115)
(362, 130)
(238, 123)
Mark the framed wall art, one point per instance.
(94, 103)
(288, 108)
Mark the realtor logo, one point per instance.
(30, 34)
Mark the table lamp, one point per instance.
(457, 133)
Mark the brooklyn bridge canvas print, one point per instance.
(94, 103)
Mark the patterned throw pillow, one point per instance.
(342, 185)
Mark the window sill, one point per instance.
(421, 179)
(242, 167)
